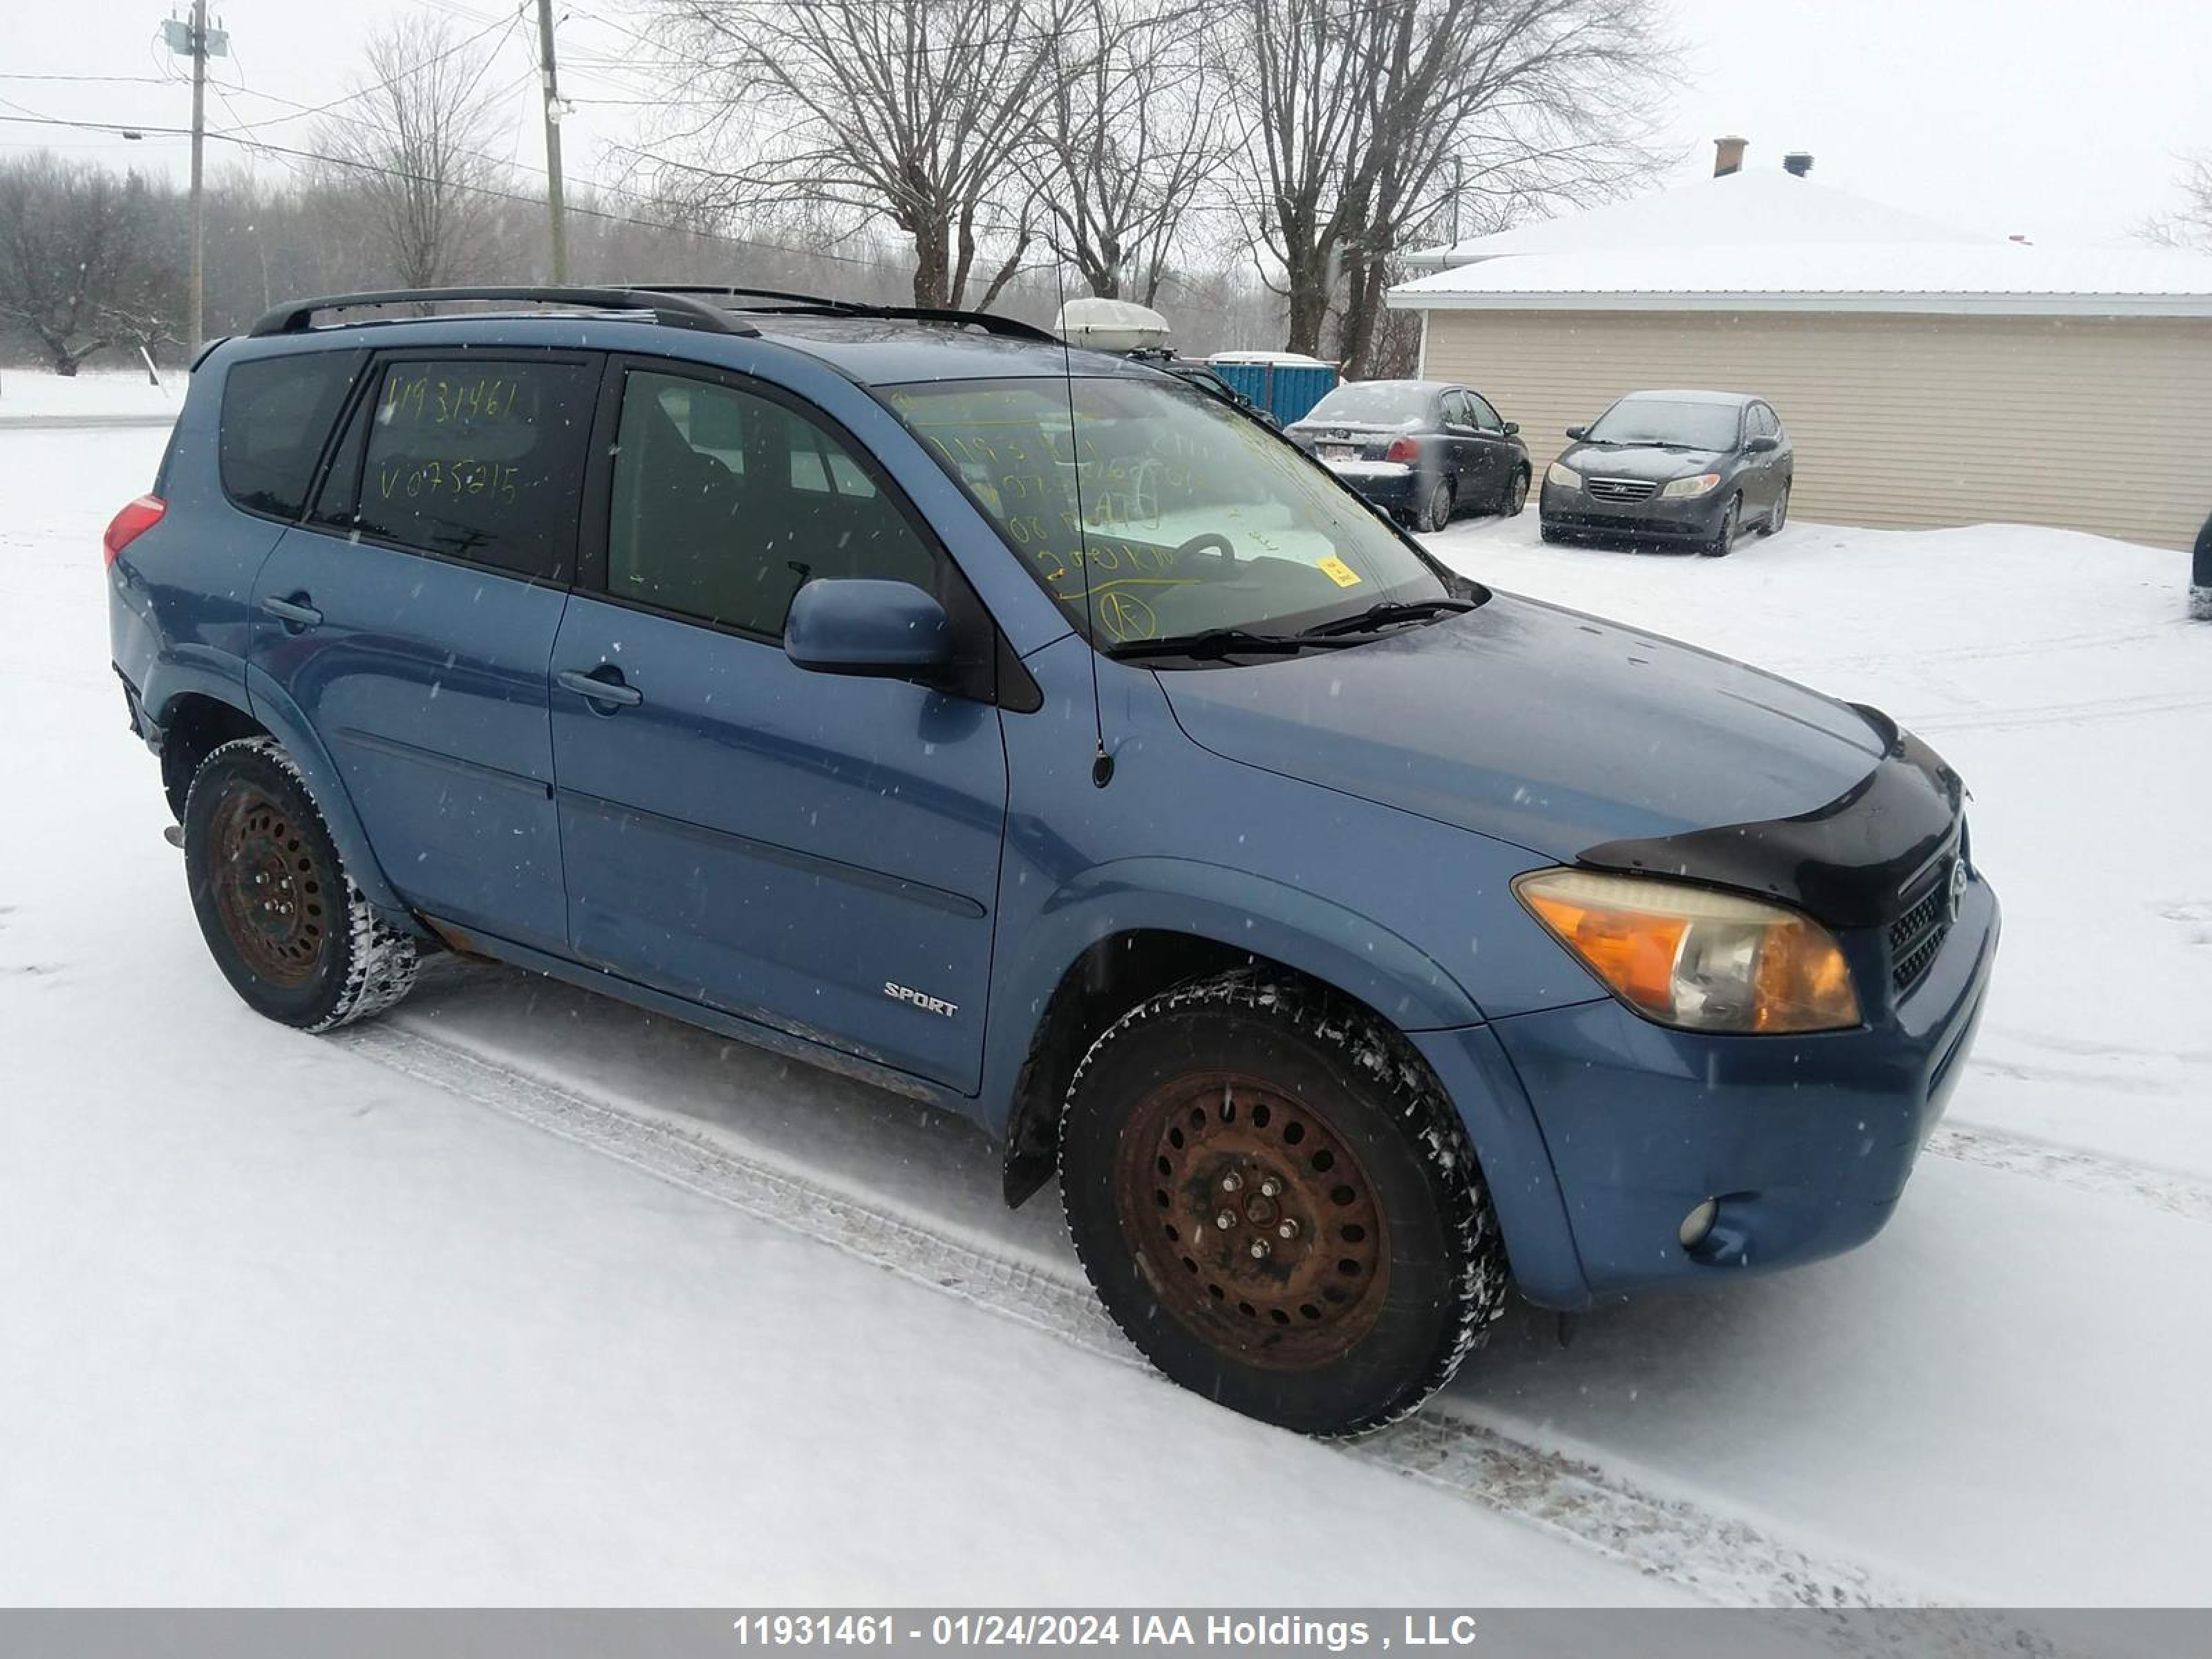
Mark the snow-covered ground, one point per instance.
(521, 1295)
(105, 395)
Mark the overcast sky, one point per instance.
(2052, 118)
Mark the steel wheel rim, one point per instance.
(1518, 493)
(1253, 1219)
(269, 893)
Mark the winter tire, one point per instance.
(1731, 521)
(289, 929)
(1277, 1204)
(1516, 496)
(1436, 510)
(1778, 515)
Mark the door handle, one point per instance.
(294, 613)
(604, 684)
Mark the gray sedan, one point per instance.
(1680, 469)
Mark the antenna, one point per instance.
(1101, 764)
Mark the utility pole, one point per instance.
(555, 208)
(200, 42)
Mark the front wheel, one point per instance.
(1277, 1205)
(290, 932)
(1723, 544)
(1780, 512)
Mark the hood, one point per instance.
(1538, 725)
(1639, 461)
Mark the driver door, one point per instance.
(815, 852)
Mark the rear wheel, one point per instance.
(1723, 544)
(289, 931)
(1436, 509)
(1277, 1205)
(1517, 494)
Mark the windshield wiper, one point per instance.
(1223, 642)
(1388, 612)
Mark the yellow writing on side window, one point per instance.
(436, 399)
(1340, 573)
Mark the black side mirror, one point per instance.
(1578, 431)
(1761, 444)
(1513, 429)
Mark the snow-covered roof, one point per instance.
(1770, 241)
(1767, 207)
(1987, 278)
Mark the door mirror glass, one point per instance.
(862, 626)
(1577, 432)
(1761, 444)
(1513, 429)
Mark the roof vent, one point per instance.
(1727, 156)
(1797, 163)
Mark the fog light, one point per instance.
(1699, 1222)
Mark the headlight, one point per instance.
(1692, 957)
(1703, 484)
(1565, 476)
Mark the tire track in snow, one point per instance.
(1721, 1559)
(2083, 1171)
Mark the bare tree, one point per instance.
(413, 148)
(1355, 108)
(919, 111)
(81, 266)
(2188, 225)
(1130, 138)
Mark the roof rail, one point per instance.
(823, 305)
(672, 307)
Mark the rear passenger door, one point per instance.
(796, 847)
(410, 619)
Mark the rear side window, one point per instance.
(471, 459)
(276, 413)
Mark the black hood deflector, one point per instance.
(1849, 863)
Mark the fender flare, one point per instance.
(266, 702)
(1268, 918)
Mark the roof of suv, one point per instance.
(885, 351)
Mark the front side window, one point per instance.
(475, 459)
(1485, 416)
(726, 503)
(1667, 420)
(1191, 516)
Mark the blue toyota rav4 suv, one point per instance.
(1028, 732)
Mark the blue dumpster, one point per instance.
(1287, 391)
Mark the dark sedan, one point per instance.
(1679, 468)
(1421, 450)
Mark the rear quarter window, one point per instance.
(277, 412)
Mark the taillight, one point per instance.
(1402, 449)
(132, 522)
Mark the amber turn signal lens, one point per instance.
(1695, 957)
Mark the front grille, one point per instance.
(1918, 935)
(1620, 489)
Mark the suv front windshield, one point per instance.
(1663, 421)
(1193, 517)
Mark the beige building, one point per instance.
(1927, 376)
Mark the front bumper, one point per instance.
(1577, 513)
(1805, 1141)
